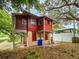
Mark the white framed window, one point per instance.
(33, 21)
(24, 22)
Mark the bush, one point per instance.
(75, 39)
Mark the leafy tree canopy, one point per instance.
(23, 4)
(5, 21)
(65, 9)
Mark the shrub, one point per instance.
(75, 39)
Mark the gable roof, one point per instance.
(30, 14)
(25, 14)
(45, 17)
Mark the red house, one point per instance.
(36, 27)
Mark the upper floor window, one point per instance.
(49, 22)
(33, 21)
(40, 22)
(24, 22)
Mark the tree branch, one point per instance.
(73, 4)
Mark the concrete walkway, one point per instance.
(5, 45)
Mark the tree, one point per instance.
(64, 9)
(5, 22)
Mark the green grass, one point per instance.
(2, 40)
(2, 35)
(56, 27)
(17, 39)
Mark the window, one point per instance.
(49, 22)
(33, 21)
(40, 22)
(24, 22)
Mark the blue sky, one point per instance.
(42, 1)
(35, 11)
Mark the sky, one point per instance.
(35, 11)
(42, 1)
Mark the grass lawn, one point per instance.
(60, 51)
(2, 35)
(17, 39)
(6, 43)
(3, 38)
(56, 27)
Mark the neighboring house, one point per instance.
(63, 35)
(36, 27)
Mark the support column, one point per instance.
(52, 37)
(44, 28)
(44, 36)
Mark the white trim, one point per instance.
(33, 21)
(17, 30)
(45, 31)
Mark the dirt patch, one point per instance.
(61, 51)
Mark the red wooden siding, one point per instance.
(47, 26)
(30, 26)
(19, 24)
(34, 37)
(40, 24)
(40, 27)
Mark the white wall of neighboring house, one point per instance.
(65, 37)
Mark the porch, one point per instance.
(33, 37)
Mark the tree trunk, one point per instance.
(13, 39)
(12, 31)
(74, 29)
